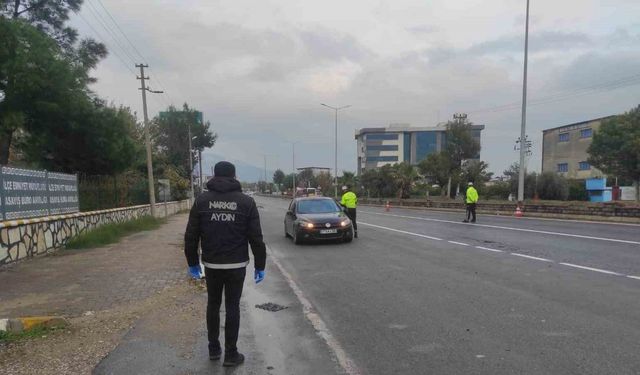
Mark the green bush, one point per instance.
(552, 187)
(498, 190)
(578, 190)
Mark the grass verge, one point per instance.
(6, 337)
(112, 233)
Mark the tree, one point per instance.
(35, 42)
(171, 136)
(278, 177)
(379, 182)
(530, 181)
(348, 179)
(476, 171)
(460, 145)
(615, 148)
(324, 181)
(306, 178)
(436, 167)
(405, 176)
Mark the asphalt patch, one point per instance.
(273, 307)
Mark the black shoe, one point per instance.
(355, 235)
(215, 354)
(473, 221)
(465, 221)
(231, 360)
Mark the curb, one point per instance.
(18, 325)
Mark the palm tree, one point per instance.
(405, 176)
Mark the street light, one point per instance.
(293, 164)
(523, 134)
(335, 177)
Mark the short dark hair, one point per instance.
(224, 169)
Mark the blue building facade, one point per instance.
(401, 143)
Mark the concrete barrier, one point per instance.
(22, 239)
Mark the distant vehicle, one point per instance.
(317, 218)
(308, 192)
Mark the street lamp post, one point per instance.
(293, 164)
(335, 177)
(193, 194)
(523, 125)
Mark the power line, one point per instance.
(568, 94)
(115, 53)
(109, 31)
(133, 47)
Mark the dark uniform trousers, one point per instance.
(231, 281)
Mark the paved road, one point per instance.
(420, 292)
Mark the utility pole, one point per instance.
(147, 137)
(523, 125)
(193, 193)
(335, 177)
(201, 177)
(294, 170)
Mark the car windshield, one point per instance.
(317, 206)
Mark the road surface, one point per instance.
(420, 292)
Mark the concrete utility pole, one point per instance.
(523, 134)
(193, 192)
(335, 177)
(147, 137)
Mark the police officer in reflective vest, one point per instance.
(471, 198)
(350, 202)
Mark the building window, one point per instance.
(584, 166)
(382, 148)
(381, 158)
(563, 137)
(586, 133)
(382, 136)
(563, 167)
(426, 144)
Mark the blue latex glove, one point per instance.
(258, 275)
(194, 272)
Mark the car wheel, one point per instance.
(296, 239)
(348, 238)
(286, 234)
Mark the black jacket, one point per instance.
(224, 221)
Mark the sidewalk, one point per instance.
(133, 309)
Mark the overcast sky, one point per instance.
(260, 69)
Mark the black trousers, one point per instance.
(471, 211)
(231, 281)
(351, 214)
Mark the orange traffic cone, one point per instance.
(518, 212)
(387, 207)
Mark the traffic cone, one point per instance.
(518, 212)
(387, 207)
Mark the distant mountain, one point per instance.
(245, 172)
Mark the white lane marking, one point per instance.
(488, 249)
(509, 228)
(454, 211)
(530, 257)
(318, 324)
(592, 269)
(633, 277)
(401, 231)
(458, 243)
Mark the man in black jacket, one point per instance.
(224, 221)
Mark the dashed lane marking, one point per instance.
(401, 231)
(488, 249)
(509, 228)
(532, 257)
(458, 243)
(592, 269)
(494, 250)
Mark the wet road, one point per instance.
(419, 292)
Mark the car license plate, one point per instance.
(328, 231)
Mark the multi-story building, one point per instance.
(315, 171)
(401, 143)
(564, 149)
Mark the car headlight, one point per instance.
(306, 225)
(344, 223)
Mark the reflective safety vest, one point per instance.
(472, 195)
(349, 200)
